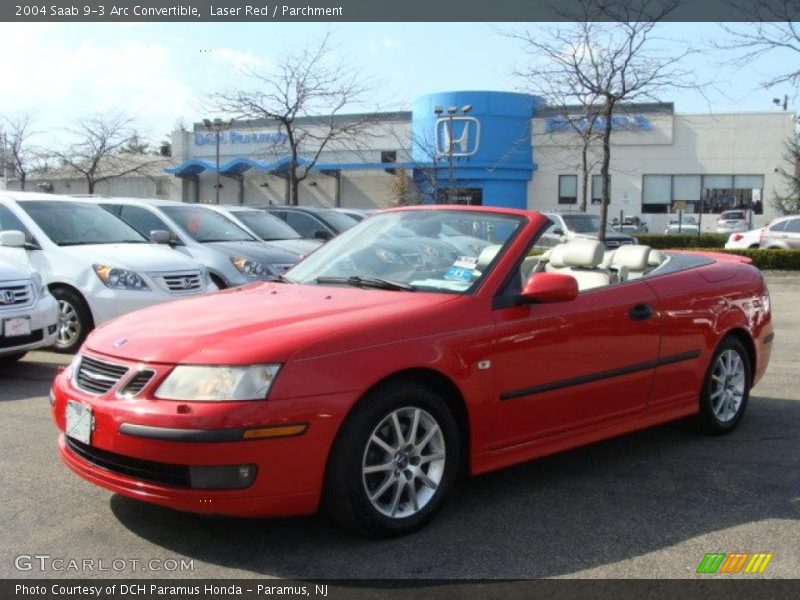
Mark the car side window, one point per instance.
(779, 226)
(304, 224)
(793, 226)
(10, 222)
(142, 220)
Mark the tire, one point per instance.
(726, 388)
(74, 320)
(361, 500)
(11, 359)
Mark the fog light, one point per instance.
(228, 477)
(51, 329)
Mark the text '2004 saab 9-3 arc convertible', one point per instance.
(390, 361)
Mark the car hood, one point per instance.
(11, 271)
(149, 258)
(258, 251)
(297, 246)
(270, 322)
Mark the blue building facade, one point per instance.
(474, 147)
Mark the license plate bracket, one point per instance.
(16, 327)
(80, 422)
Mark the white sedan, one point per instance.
(744, 240)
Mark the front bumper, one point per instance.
(106, 303)
(290, 470)
(44, 319)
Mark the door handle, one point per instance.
(640, 312)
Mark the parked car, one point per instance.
(630, 225)
(268, 228)
(571, 226)
(733, 221)
(313, 223)
(357, 214)
(748, 239)
(370, 386)
(682, 225)
(782, 233)
(96, 267)
(28, 312)
(232, 256)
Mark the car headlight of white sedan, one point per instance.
(120, 279)
(249, 267)
(218, 384)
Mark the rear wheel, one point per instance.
(394, 461)
(726, 389)
(74, 320)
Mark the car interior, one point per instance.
(593, 266)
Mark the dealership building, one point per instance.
(502, 149)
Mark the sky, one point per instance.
(163, 73)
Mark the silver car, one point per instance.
(733, 221)
(571, 226)
(232, 255)
(783, 233)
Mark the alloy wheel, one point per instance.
(69, 326)
(404, 462)
(727, 385)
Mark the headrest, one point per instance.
(486, 256)
(656, 258)
(582, 253)
(632, 256)
(557, 256)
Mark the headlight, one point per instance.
(120, 279)
(218, 383)
(40, 286)
(249, 267)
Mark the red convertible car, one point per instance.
(391, 360)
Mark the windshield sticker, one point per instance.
(466, 262)
(459, 274)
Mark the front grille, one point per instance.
(182, 283)
(97, 376)
(143, 470)
(15, 295)
(21, 340)
(137, 383)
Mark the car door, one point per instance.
(793, 233)
(565, 366)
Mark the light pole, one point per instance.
(217, 126)
(451, 112)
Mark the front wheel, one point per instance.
(74, 320)
(726, 389)
(394, 461)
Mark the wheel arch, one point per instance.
(60, 284)
(741, 334)
(436, 381)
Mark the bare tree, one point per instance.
(99, 151)
(17, 152)
(607, 56)
(773, 27)
(789, 203)
(306, 83)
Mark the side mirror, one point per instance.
(159, 236)
(319, 234)
(546, 288)
(12, 239)
(558, 231)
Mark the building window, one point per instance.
(701, 193)
(567, 189)
(597, 189)
(656, 193)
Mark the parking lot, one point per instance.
(650, 504)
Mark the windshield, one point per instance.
(734, 215)
(266, 226)
(339, 221)
(585, 223)
(204, 225)
(410, 250)
(74, 223)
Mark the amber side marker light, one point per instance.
(275, 432)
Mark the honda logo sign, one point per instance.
(459, 135)
(7, 297)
